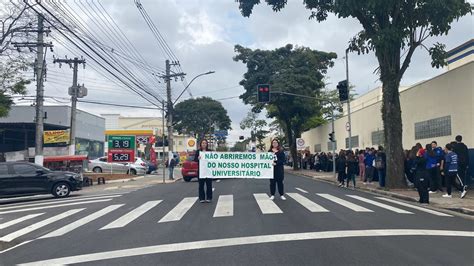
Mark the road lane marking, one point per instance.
(55, 206)
(242, 241)
(344, 203)
(225, 206)
(267, 206)
(74, 225)
(19, 220)
(301, 190)
(54, 202)
(416, 207)
(308, 204)
(179, 211)
(38, 225)
(132, 215)
(381, 205)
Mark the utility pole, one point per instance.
(39, 94)
(169, 105)
(348, 100)
(40, 73)
(163, 138)
(76, 92)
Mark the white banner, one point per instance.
(236, 165)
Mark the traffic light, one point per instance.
(331, 137)
(343, 90)
(263, 93)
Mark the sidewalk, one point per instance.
(465, 205)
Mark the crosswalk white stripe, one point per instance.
(38, 225)
(301, 190)
(179, 211)
(344, 203)
(55, 206)
(267, 206)
(416, 207)
(54, 202)
(52, 199)
(225, 206)
(308, 204)
(132, 215)
(74, 225)
(19, 220)
(381, 205)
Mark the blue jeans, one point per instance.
(382, 174)
(171, 170)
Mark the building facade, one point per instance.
(17, 136)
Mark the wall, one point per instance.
(450, 93)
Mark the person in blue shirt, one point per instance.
(450, 168)
(432, 166)
(369, 166)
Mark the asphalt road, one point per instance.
(166, 225)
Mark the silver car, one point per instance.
(100, 165)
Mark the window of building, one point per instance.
(432, 128)
(330, 145)
(180, 142)
(317, 148)
(355, 142)
(377, 138)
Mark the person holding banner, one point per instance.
(278, 171)
(203, 196)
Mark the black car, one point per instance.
(23, 178)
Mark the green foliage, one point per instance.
(11, 82)
(257, 127)
(297, 70)
(201, 116)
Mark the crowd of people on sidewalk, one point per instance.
(430, 168)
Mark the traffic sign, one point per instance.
(300, 144)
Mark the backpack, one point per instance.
(379, 162)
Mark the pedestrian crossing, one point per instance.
(317, 203)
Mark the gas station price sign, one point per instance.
(121, 149)
(122, 142)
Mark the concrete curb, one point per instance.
(390, 194)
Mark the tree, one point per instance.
(393, 30)
(15, 19)
(298, 70)
(257, 128)
(200, 117)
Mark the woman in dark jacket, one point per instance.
(341, 168)
(352, 166)
(421, 176)
(203, 196)
(278, 172)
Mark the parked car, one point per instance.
(190, 168)
(100, 165)
(23, 178)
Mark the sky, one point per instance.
(202, 35)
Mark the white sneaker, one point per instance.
(447, 196)
(272, 197)
(463, 194)
(282, 197)
(432, 192)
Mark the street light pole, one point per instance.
(348, 100)
(207, 73)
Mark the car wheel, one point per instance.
(61, 190)
(132, 172)
(97, 170)
(187, 178)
